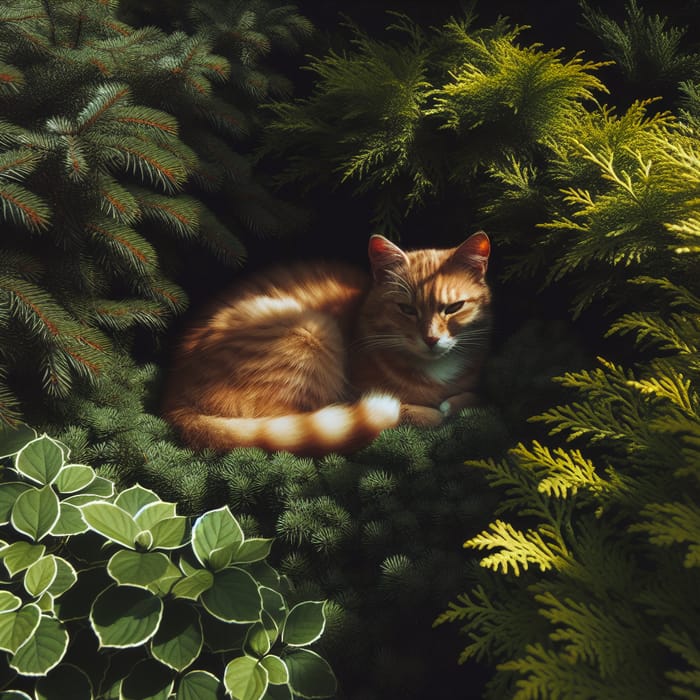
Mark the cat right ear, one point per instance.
(384, 256)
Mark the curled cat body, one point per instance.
(314, 358)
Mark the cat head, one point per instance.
(429, 303)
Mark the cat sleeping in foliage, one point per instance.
(320, 358)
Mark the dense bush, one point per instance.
(590, 532)
(111, 595)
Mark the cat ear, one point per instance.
(383, 256)
(474, 252)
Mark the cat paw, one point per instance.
(421, 416)
(453, 405)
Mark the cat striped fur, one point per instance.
(314, 358)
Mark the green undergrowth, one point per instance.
(107, 594)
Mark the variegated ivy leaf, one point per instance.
(35, 512)
(215, 530)
(111, 521)
(43, 650)
(304, 624)
(40, 460)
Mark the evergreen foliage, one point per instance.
(118, 141)
(598, 535)
(646, 50)
(114, 143)
(426, 111)
(589, 562)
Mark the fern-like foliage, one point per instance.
(648, 51)
(424, 109)
(609, 521)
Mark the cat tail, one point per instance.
(340, 428)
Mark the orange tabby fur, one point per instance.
(320, 358)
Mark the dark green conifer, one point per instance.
(111, 140)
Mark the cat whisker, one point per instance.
(381, 341)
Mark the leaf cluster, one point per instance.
(116, 595)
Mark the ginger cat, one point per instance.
(320, 358)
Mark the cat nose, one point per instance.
(431, 340)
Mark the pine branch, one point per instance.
(12, 79)
(24, 207)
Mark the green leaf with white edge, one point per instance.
(148, 680)
(261, 636)
(65, 682)
(46, 603)
(245, 679)
(274, 605)
(9, 491)
(153, 513)
(70, 520)
(179, 639)
(9, 602)
(99, 486)
(310, 675)
(14, 695)
(14, 438)
(35, 512)
(170, 533)
(186, 564)
(220, 558)
(74, 477)
(111, 522)
(214, 530)
(43, 650)
(277, 670)
(19, 556)
(264, 574)
(199, 685)
(304, 624)
(251, 550)
(192, 586)
(80, 499)
(66, 577)
(40, 575)
(40, 460)
(130, 568)
(233, 597)
(18, 626)
(122, 616)
(133, 499)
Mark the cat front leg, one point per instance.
(454, 404)
(421, 416)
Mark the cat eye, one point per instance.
(408, 310)
(453, 308)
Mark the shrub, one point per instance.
(117, 596)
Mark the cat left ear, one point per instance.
(474, 252)
(384, 255)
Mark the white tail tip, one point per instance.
(382, 409)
